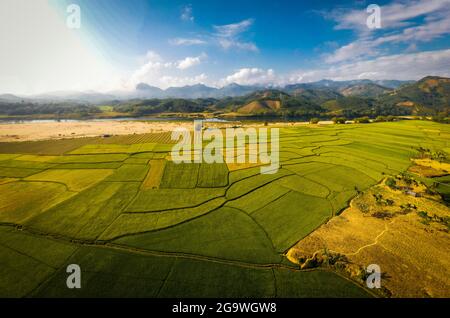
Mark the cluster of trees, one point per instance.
(306, 104)
(425, 153)
(30, 108)
(170, 105)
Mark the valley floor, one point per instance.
(139, 225)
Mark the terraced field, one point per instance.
(141, 225)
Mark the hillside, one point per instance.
(369, 90)
(429, 95)
(261, 107)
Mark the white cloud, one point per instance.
(190, 61)
(41, 54)
(186, 13)
(394, 15)
(396, 20)
(234, 29)
(158, 72)
(354, 50)
(399, 66)
(184, 41)
(244, 46)
(251, 76)
(176, 81)
(229, 36)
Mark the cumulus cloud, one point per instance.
(251, 76)
(399, 66)
(158, 72)
(190, 61)
(176, 81)
(396, 66)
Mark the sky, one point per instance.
(164, 43)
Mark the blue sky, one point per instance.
(175, 43)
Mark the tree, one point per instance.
(338, 120)
(391, 118)
(363, 120)
(314, 120)
(390, 182)
(380, 119)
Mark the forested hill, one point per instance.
(429, 96)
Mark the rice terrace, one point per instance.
(139, 225)
(259, 156)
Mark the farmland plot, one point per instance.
(141, 225)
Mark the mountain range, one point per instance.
(367, 88)
(325, 98)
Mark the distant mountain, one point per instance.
(341, 85)
(329, 90)
(146, 91)
(10, 98)
(327, 84)
(431, 94)
(266, 94)
(191, 91)
(362, 97)
(391, 83)
(233, 90)
(318, 95)
(365, 90)
(72, 96)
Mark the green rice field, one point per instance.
(139, 225)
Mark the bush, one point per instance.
(363, 120)
(390, 182)
(338, 120)
(314, 120)
(391, 118)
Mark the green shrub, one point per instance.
(363, 120)
(390, 182)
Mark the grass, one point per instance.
(86, 215)
(133, 223)
(166, 199)
(371, 231)
(154, 176)
(27, 261)
(20, 201)
(315, 284)
(113, 273)
(235, 236)
(175, 230)
(180, 176)
(292, 217)
(129, 172)
(75, 179)
(212, 175)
